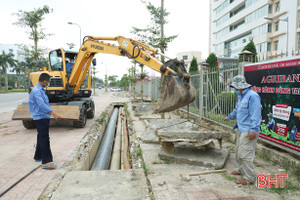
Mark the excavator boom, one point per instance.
(176, 90)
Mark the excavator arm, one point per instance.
(176, 90)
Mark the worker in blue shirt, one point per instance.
(248, 116)
(69, 66)
(41, 111)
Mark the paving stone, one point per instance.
(120, 184)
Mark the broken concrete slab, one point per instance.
(188, 131)
(121, 184)
(152, 125)
(212, 158)
(143, 108)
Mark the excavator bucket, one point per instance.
(176, 89)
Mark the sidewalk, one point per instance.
(17, 149)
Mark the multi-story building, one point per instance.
(274, 26)
(187, 57)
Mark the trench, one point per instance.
(112, 152)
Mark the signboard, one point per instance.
(278, 84)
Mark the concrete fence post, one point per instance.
(201, 94)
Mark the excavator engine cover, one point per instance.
(176, 89)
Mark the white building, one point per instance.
(273, 25)
(187, 57)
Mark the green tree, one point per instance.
(33, 21)
(28, 66)
(213, 79)
(7, 60)
(194, 66)
(113, 80)
(212, 61)
(153, 34)
(250, 47)
(124, 82)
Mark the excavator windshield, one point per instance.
(56, 60)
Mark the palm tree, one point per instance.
(5, 61)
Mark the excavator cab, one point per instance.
(176, 89)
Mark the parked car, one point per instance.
(115, 89)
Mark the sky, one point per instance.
(189, 19)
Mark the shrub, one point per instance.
(227, 102)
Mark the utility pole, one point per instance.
(162, 49)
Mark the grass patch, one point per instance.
(228, 177)
(288, 188)
(155, 163)
(167, 161)
(259, 165)
(13, 90)
(219, 118)
(102, 118)
(127, 113)
(264, 157)
(139, 152)
(146, 170)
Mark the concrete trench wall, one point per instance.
(83, 156)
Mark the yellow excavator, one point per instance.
(70, 94)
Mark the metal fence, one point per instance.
(151, 89)
(214, 98)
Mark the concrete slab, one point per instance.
(143, 108)
(121, 184)
(139, 128)
(149, 135)
(188, 131)
(212, 158)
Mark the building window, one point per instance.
(250, 2)
(277, 7)
(276, 45)
(277, 26)
(222, 19)
(236, 26)
(223, 6)
(185, 57)
(269, 28)
(237, 10)
(269, 46)
(263, 11)
(270, 9)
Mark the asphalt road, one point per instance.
(9, 101)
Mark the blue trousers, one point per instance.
(43, 151)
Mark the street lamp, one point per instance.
(71, 23)
(287, 28)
